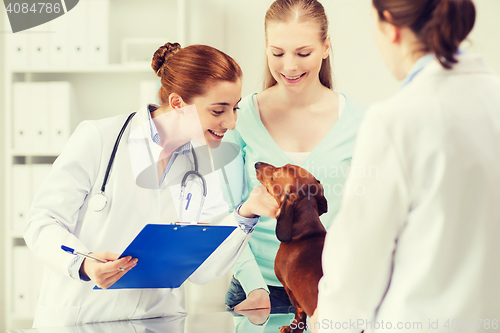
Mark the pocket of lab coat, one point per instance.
(192, 201)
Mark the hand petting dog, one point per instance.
(259, 202)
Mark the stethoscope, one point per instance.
(183, 187)
(98, 201)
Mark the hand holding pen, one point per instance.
(104, 268)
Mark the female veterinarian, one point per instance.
(71, 210)
(420, 245)
(297, 119)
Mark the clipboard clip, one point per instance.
(191, 223)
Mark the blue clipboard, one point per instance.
(168, 254)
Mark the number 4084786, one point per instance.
(39, 8)
(472, 323)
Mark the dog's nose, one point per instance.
(257, 165)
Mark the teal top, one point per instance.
(329, 162)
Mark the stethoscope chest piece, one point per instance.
(98, 201)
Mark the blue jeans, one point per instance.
(280, 302)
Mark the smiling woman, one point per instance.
(217, 109)
(312, 13)
(297, 119)
(203, 76)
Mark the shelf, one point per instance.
(113, 68)
(34, 154)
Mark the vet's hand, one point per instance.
(256, 299)
(260, 202)
(105, 275)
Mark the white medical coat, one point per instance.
(416, 238)
(60, 216)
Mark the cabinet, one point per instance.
(57, 75)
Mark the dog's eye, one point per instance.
(318, 181)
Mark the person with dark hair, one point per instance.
(416, 248)
(200, 92)
(298, 118)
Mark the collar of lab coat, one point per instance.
(157, 150)
(144, 153)
(419, 65)
(467, 63)
(155, 135)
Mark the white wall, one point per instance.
(358, 67)
(245, 40)
(485, 38)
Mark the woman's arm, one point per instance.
(246, 269)
(224, 257)
(53, 217)
(259, 203)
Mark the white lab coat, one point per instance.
(59, 216)
(416, 239)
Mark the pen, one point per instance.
(72, 251)
(188, 199)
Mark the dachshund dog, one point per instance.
(302, 235)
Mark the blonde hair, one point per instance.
(283, 11)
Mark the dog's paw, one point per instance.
(285, 329)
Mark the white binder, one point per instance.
(16, 46)
(58, 42)
(21, 196)
(98, 27)
(60, 95)
(39, 46)
(78, 35)
(22, 124)
(22, 286)
(38, 114)
(27, 277)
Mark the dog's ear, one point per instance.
(285, 217)
(321, 201)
